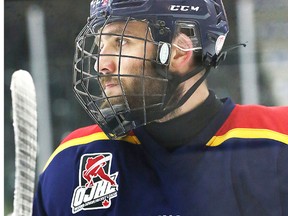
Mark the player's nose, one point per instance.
(107, 61)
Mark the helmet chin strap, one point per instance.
(193, 88)
(176, 80)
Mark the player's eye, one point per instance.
(121, 41)
(115, 42)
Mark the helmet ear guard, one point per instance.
(163, 53)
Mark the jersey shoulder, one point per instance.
(84, 132)
(254, 122)
(94, 133)
(86, 135)
(259, 117)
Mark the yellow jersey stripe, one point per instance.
(85, 140)
(248, 133)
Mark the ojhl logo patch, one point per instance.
(96, 185)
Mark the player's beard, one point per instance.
(141, 90)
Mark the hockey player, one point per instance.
(163, 143)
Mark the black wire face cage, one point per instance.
(120, 78)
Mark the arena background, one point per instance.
(255, 74)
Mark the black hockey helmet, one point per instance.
(204, 21)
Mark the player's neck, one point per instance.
(196, 99)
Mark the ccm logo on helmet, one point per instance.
(183, 8)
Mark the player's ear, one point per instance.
(181, 54)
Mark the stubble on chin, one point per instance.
(138, 93)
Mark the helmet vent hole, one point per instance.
(219, 13)
(218, 9)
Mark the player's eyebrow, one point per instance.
(117, 29)
(120, 30)
(127, 29)
(113, 31)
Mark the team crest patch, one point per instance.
(97, 186)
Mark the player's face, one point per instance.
(121, 59)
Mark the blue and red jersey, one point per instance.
(237, 165)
